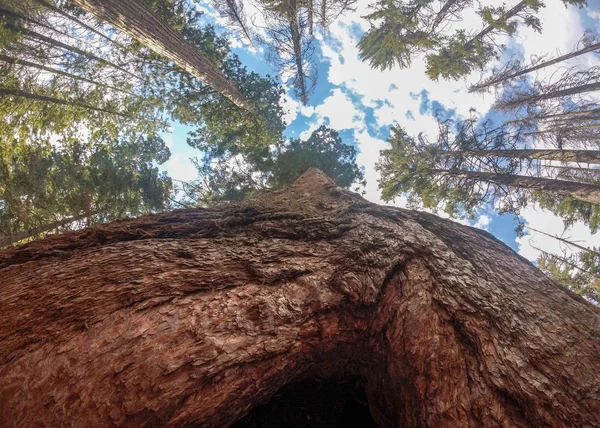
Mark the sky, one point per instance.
(362, 104)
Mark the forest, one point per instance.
(319, 213)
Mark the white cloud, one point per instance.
(293, 108)
(169, 141)
(545, 221)
(180, 167)
(483, 222)
(341, 112)
(368, 156)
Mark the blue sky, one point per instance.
(362, 104)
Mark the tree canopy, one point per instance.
(477, 165)
(235, 175)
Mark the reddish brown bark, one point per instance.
(196, 316)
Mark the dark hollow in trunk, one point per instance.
(315, 403)
(197, 317)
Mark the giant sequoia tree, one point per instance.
(195, 317)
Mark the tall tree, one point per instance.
(587, 156)
(233, 177)
(46, 188)
(579, 273)
(514, 69)
(233, 11)
(466, 170)
(134, 18)
(582, 82)
(291, 46)
(401, 30)
(440, 324)
(462, 54)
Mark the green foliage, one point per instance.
(457, 175)
(222, 127)
(409, 168)
(396, 38)
(41, 183)
(400, 30)
(99, 165)
(570, 210)
(236, 176)
(579, 272)
(459, 57)
(325, 150)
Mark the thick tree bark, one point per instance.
(585, 192)
(196, 316)
(137, 20)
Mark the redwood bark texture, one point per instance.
(196, 316)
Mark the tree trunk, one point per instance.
(82, 24)
(292, 18)
(576, 114)
(566, 241)
(527, 70)
(56, 43)
(511, 104)
(581, 191)
(8, 240)
(17, 61)
(441, 15)
(519, 7)
(194, 317)
(585, 175)
(137, 20)
(588, 156)
(46, 99)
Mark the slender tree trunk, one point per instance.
(566, 262)
(577, 115)
(311, 16)
(562, 121)
(514, 103)
(79, 22)
(297, 46)
(585, 175)
(137, 20)
(566, 241)
(519, 7)
(587, 156)
(558, 129)
(12, 239)
(56, 43)
(234, 13)
(12, 60)
(557, 60)
(44, 98)
(581, 191)
(442, 13)
(194, 317)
